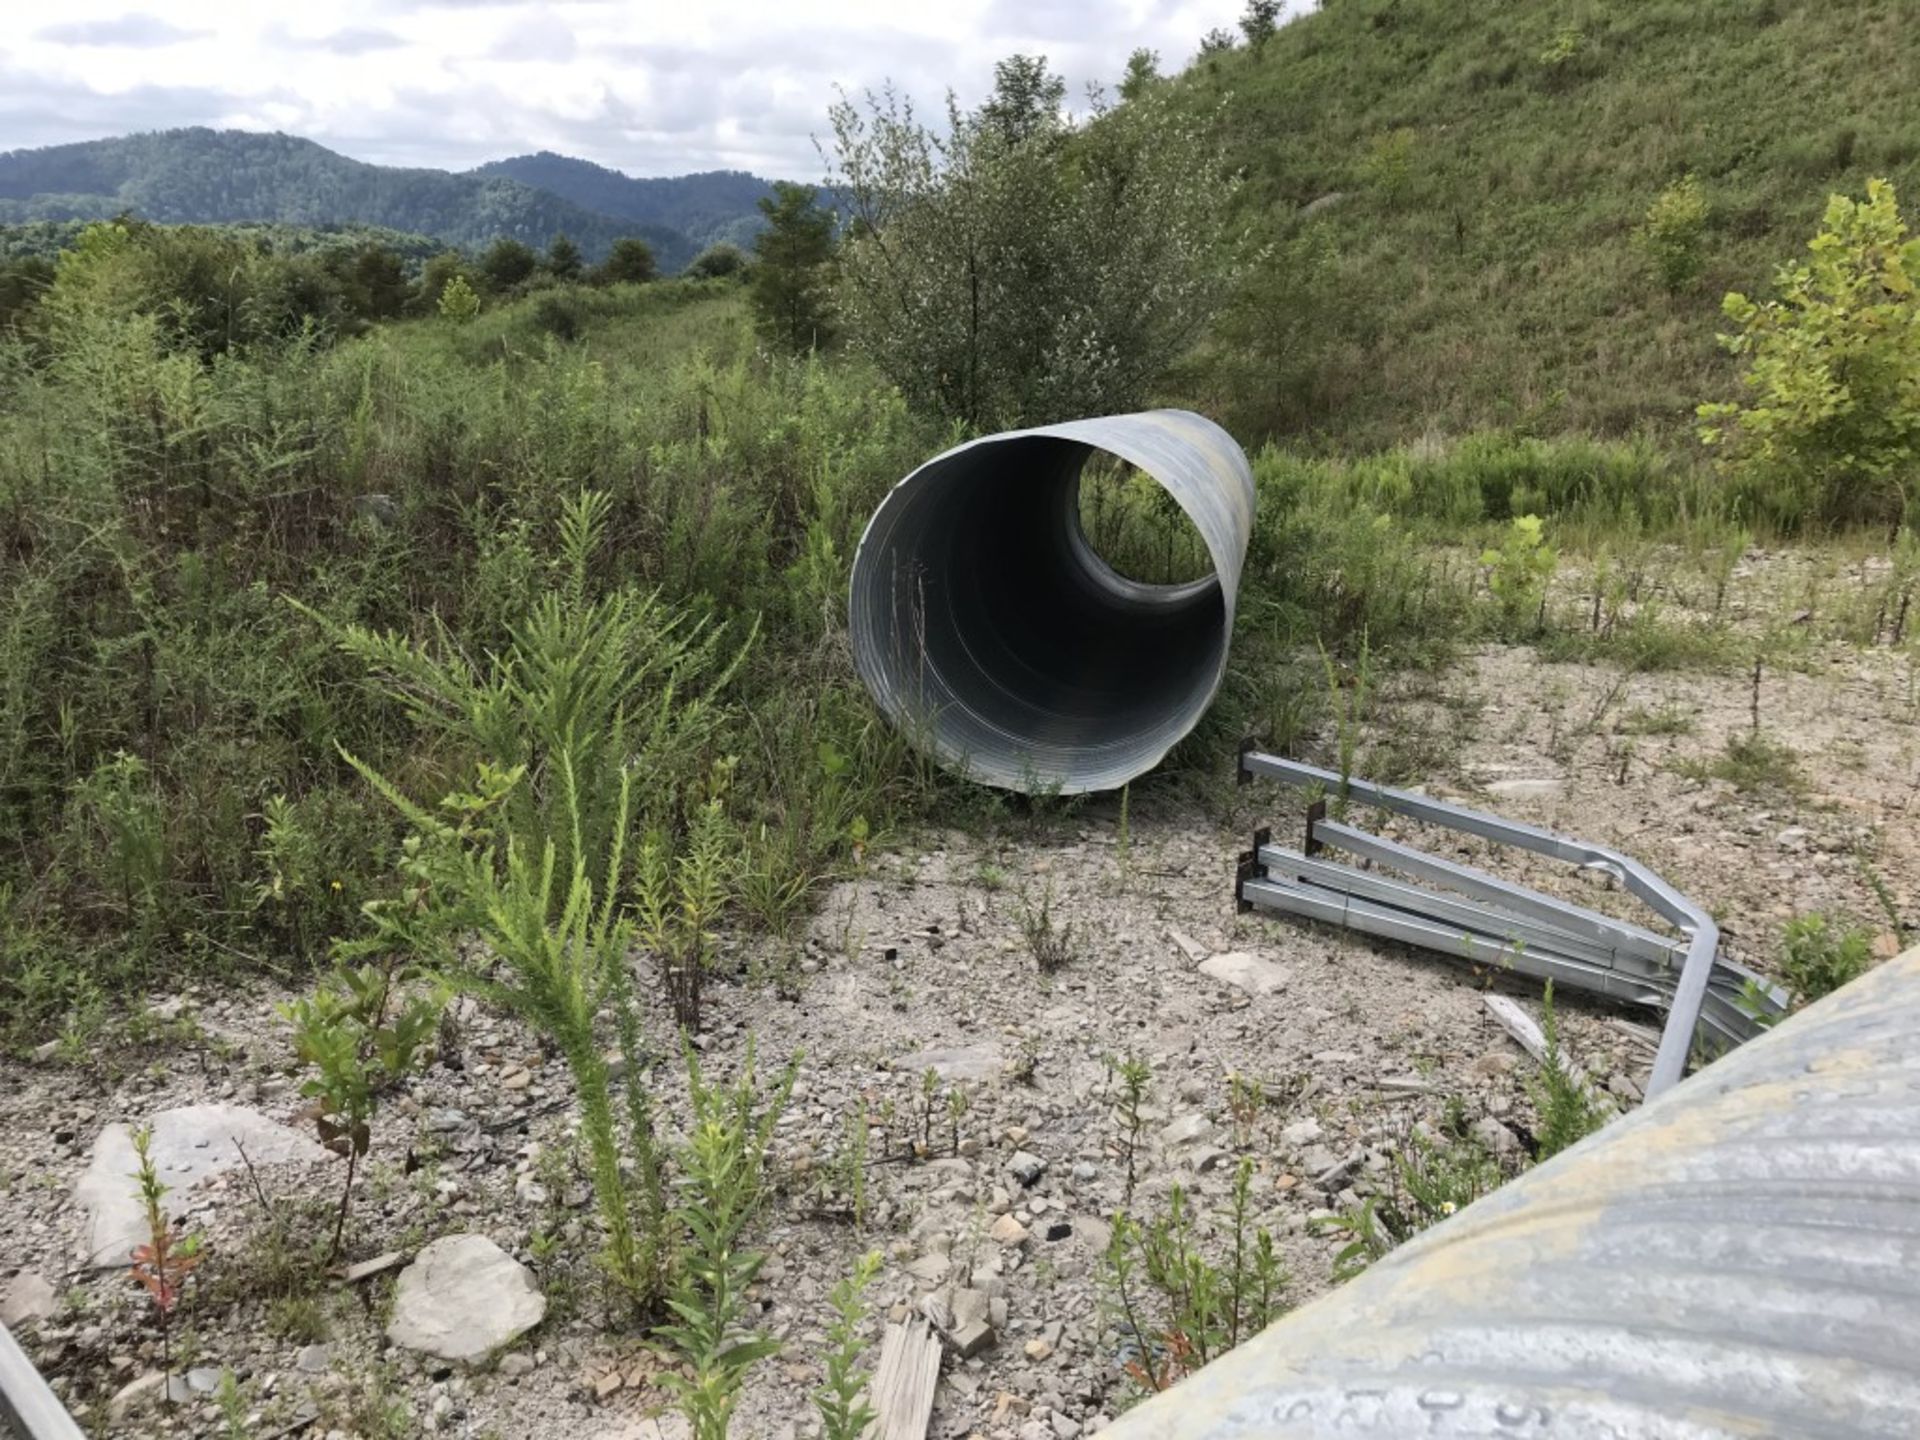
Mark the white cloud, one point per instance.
(650, 89)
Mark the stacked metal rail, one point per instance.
(1438, 904)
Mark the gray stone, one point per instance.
(1496, 1139)
(314, 1359)
(1026, 1167)
(515, 1365)
(203, 1380)
(463, 1297)
(1302, 1132)
(29, 1297)
(1187, 1130)
(972, 1062)
(1246, 972)
(969, 1306)
(1542, 788)
(189, 1145)
(135, 1392)
(969, 1340)
(1209, 1158)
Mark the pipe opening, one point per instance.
(996, 635)
(1133, 523)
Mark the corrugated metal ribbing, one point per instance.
(1739, 1257)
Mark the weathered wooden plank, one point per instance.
(904, 1382)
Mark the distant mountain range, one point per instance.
(207, 177)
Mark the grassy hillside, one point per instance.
(1451, 193)
(201, 176)
(712, 206)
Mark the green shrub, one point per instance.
(459, 301)
(1673, 235)
(1818, 955)
(1830, 432)
(1519, 571)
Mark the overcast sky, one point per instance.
(653, 88)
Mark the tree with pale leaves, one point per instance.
(1015, 266)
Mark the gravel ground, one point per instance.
(923, 961)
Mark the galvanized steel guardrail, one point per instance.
(1711, 1003)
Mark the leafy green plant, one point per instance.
(1519, 571)
(1673, 235)
(1831, 428)
(721, 1170)
(841, 1396)
(1568, 1110)
(162, 1263)
(1177, 1307)
(459, 301)
(1818, 955)
(1135, 1075)
(1434, 1176)
(679, 897)
(362, 1032)
(1048, 941)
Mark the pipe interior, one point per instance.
(1030, 637)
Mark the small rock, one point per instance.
(462, 1297)
(969, 1340)
(1026, 1167)
(932, 1268)
(1317, 1159)
(1209, 1158)
(46, 1050)
(178, 1391)
(968, 1306)
(976, 1062)
(1059, 1230)
(1886, 945)
(1065, 1427)
(518, 1079)
(203, 1380)
(1186, 1130)
(1496, 1139)
(314, 1359)
(1246, 972)
(133, 1392)
(1623, 1088)
(1538, 788)
(1037, 1349)
(1008, 1231)
(1794, 837)
(1302, 1132)
(29, 1297)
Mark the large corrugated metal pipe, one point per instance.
(995, 637)
(1739, 1257)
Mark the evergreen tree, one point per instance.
(563, 258)
(790, 281)
(506, 264)
(629, 262)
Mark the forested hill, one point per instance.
(708, 208)
(1453, 192)
(203, 176)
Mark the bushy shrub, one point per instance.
(1673, 235)
(1830, 429)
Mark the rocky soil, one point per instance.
(991, 1213)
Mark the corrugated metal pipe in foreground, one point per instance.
(1739, 1257)
(994, 637)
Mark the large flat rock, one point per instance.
(462, 1298)
(189, 1145)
